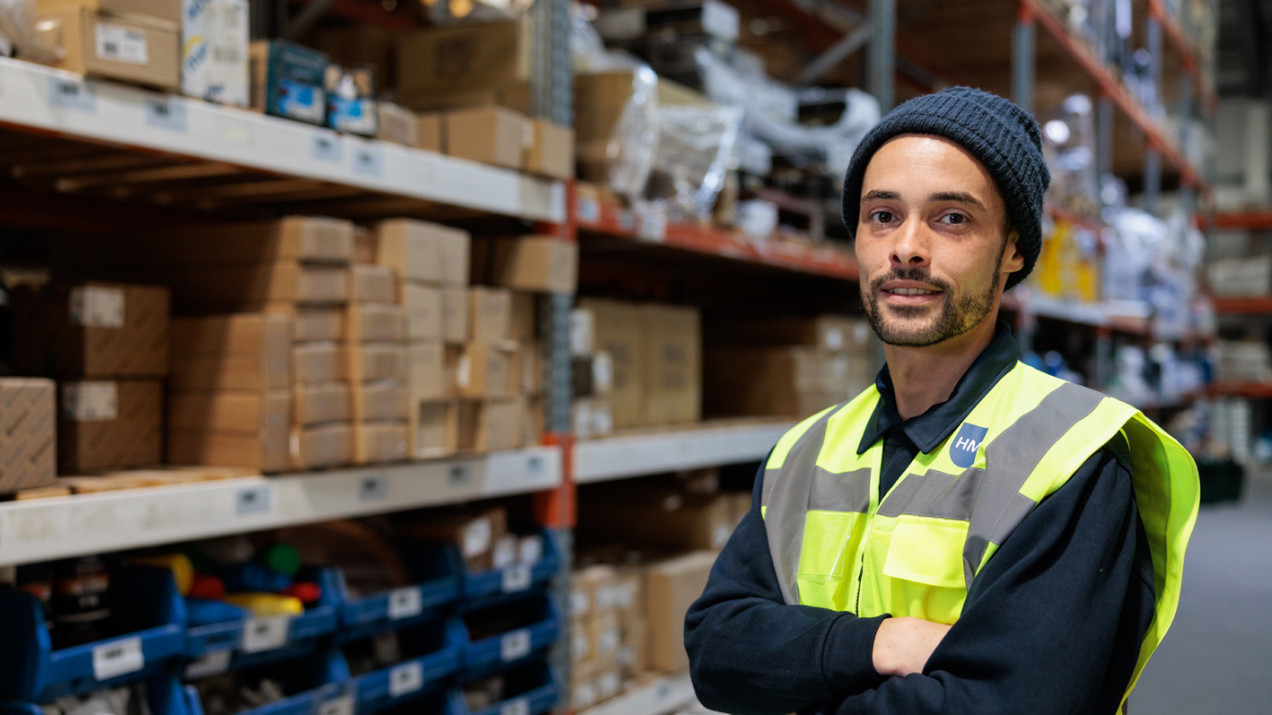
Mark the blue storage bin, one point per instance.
(360, 618)
(246, 643)
(318, 683)
(165, 695)
(480, 589)
(146, 607)
(531, 689)
(435, 650)
(491, 654)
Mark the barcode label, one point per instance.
(265, 634)
(340, 706)
(520, 706)
(516, 578)
(209, 665)
(118, 658)
(405, 603)
(515, 645)
(71, 93)
(122, 44)
(167, 113)
(90, 401)
(97, 307)
(406, 678)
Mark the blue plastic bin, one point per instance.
(145, 605)
(480, 589)
(316, 681)
(165, 695)
(219, 647)
(435, 649)
(499, 652)
(532, 689)
(364, 617)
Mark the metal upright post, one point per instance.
(883, 27)
(1104, 135)
(1153, 159)
(1022, 59)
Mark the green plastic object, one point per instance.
(283, 558)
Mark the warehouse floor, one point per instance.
(1216, 656)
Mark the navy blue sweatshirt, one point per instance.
(1052, 624)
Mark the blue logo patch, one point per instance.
(966, 444)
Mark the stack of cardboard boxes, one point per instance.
(376, 349)
(107, 344)
(655, 352)
(785, 367)
(28, 434)
(607, 632)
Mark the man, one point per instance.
(968, 535)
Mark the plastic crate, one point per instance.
(481, 589)
(165, 695)
(246, 643)
(495, 653)
(400, 608)
(436, 650)
(320, 683)
(146, 604)
(534, 689)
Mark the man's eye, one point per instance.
(881, 216)
(954, 219)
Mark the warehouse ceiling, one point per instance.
(1243, 62)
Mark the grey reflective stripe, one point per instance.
(785, 496)
(847, 492)
(935, 494)
(1012, 457)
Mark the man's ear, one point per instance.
(1013, 259)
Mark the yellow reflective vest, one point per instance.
(916, 552)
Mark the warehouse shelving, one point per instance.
(238, 148)
(633, 455)
(58, 527)
(1251, 220)
(1252, 306)
(658, 697)
(1252, 390)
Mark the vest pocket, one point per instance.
(922, 574)
(827, 559)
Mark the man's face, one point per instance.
(930, 242)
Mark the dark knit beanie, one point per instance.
(1000, 134)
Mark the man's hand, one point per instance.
(903, 645)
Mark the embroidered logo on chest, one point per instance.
(966, 444)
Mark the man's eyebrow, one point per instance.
(877, 195)
(961, 197)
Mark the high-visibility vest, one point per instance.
(836, 544)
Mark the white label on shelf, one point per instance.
(253, 500)
(460, 475)
(405, 603)
(264, 633)
(72, 93)
(121, 44)
(653, 223)
(97, 307)
(516, 578)
(209, 665)
(520, 706)
(90, 401)
(327, 147)
(118, 658)
(515, 645)
(342, 705)
(166, 113)
(373, 488)
(589, 210)
(406, 678)
(368, 161)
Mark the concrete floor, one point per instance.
(1217, 657)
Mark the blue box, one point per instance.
(436, 650)
(400, 608)
(481, 589)
(293, 80)
(493, 654)
(533, 689)
(220, 647)
(165, 695)
(319, 680)
(146, 604)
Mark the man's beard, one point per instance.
(955, 317)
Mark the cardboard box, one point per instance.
(214, 50)
(534, 424)
(431, 135)
(433, 429)
(661, 519)
(319, 362)
(589, 589)
(790, 381)
(483, 370)
(535, 263)
(364, 246)
(486, 425)
(109, 424)
(672, 586)
(249, 287)
(530, 360)
(423, 306)
(490, 135)
(633, 652)
(376, 323)
(474, 534)
(673, 366)
(328, 445)
(317, 403)
(92, 330)
(489, 314)
(224, 410)
(379, 442)
(524, 318)
(582, 332)
(314, 325)
(412, 248)
(362, 44)
(132, 48)
(426, 372)
(373, 284)
(381, 401)
(464, 56)
(351, 99)
(233, 371)
(237, 334)
(620, 329)
(28, 433)
(305, 239)
(288, 80)
(833, 333)
(551, 152)
(583, 693)
(604, 637)
(455, 321)
(369, 362)
(168, 10)
(397, 124)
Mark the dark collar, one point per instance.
(932, 427)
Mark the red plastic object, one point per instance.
(207, 587)
(304, 591)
